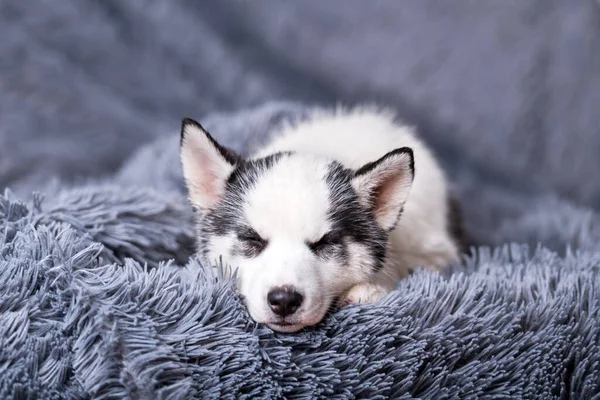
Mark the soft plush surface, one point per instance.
(89, 310)
(91, 97)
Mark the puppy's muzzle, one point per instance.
(284, 300)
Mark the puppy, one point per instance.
(337, 207)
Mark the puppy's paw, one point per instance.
(363, 293)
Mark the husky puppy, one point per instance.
(337, 207)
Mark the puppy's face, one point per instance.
(299, 229)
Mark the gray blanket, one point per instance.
(100, 297)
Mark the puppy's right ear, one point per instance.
(206, 164)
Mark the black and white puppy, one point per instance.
(339, 206)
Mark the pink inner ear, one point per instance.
(387, 194)
(207, 182)
(209, 187)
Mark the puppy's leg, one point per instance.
(363, 293)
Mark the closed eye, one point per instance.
(252, 239)
(328, 240)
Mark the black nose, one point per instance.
(284, 300)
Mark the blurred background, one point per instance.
(506, 92)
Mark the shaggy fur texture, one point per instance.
(78, 319)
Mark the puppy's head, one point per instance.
(300, 229)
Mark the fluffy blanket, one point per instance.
(100, 294)
(89, 308)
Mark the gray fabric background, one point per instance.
(510, 89)
(91, 97)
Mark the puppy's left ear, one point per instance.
(383, 185)
(206, 164)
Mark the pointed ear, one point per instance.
(206, 164)
(383, 185)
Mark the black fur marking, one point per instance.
(372, 165)
(456, 226)
(350, 218)
(249, 244)
(331, 245)
(229, 155)
(331, 238)
(246, 173)
(227, 217)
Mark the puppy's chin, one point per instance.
(285, 327)
(296, 323)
